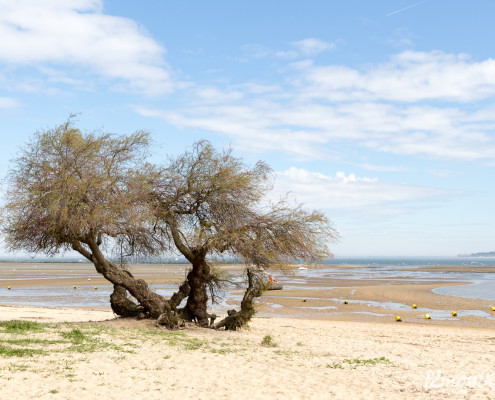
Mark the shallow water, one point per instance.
(482, 285)
(479, 289)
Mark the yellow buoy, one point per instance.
(96, 288)
(74, 286)
(454, 314)
(8, 287)
(414, 306)
(397, 318)
(493, 308)
(346, 302)
(427, 316)
(304, 299)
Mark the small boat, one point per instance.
(274, 286)
(302, 268)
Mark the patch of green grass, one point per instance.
(371, 361)
(96, 345)
(223, 351)
(21, 327)
(76, 336)
(356, 362)
(18, 352)
(53, 391)
(32, 341)
(268, 341)
(194, 344)
(286, 353)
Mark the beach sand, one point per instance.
(322, 348)
(308, 359)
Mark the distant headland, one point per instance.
(484, 254)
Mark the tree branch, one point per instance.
(77, 246)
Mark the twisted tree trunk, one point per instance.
(122, 305)
(196, 306)
(151, 303)
(236, 319)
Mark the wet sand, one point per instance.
(453, 268)
(377, 300)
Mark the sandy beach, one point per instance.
(271, 359)
(305, 343)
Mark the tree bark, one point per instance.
(153, 304)
(197, 300)
(236, 319)
(122, 305)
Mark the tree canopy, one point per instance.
(67, 187)
(211, 200)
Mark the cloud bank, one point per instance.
(350, 192)
(77, 34)
(422, 104)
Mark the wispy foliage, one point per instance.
(211, 201)
(66, 187)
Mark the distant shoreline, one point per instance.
(483, 254)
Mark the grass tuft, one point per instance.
(268, 341)
(76, 336)
(356, 362)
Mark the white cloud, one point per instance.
(305, 130)
(350, 192)
(409, 77)
(7, 102)
(399, 107)
(76, 33)
(213, 95)
(311, 46)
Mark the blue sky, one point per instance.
(379, 113)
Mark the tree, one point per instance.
(89, 192)
(70, 191)
(210, 202)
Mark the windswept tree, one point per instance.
(90, 192)
(84, 192)
(209, 202)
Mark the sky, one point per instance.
(379, 113)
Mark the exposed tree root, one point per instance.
(122, 305)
